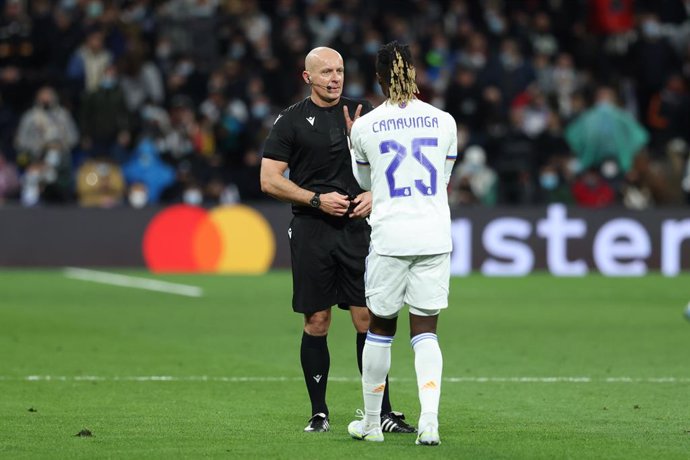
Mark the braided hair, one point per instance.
(394, 65)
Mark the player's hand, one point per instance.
(334, 203)
(348, 121)
(362, 205)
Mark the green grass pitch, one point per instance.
(618, 349)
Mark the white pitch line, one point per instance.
(256, 379)
(115, 279)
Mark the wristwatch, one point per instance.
(315, 201)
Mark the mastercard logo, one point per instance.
(226, 239)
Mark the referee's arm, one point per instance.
(275, 184)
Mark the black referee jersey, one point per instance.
(312, 140)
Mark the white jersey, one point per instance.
(405, 153)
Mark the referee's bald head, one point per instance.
(320, 55)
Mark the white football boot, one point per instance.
(357, 431)
(428, 436)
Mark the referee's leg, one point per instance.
(316, 361)
(313, 294)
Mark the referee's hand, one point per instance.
(362, 205)
(334, 203)
(348, 121)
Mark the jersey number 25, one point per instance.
(400, 154)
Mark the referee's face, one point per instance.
(327, 76)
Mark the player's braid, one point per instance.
(394, 61)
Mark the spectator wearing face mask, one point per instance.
(137, 195)
(511, 73)
(45, 123)
(472, 181)
(186, 79)
(553, 187)
(105, 120)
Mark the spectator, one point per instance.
(185, 79)
(510, 72)
(104, 120)
(553, 185)
(178, 141)
(610, 16)
(88, 63)
(674, 171)
(63, 35)
(189, 8)
(137, 195)
(654, 59)
(18, 60)
(48, 178)
(686, 181)
(472, 181)
(464, 99)
(644, 185)
(669, 113)
(605, 131)
(9, 179)
(147, 168)
(565, 82)
(590, 190)
(514, 159)
(8, 125)
(45, 123)
(542, 39)
(141, 81)
(100, 183)
(515, 75)
(550, 146)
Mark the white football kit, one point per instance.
(404, 154)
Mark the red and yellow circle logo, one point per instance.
(227, 239)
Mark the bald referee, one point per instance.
(329, 237)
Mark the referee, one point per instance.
(329, 237)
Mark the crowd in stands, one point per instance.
(140, 102)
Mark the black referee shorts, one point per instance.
(328, 258)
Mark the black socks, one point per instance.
(316, 362)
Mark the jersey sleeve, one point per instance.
(452, 153)
(278, 145)
(360, 163)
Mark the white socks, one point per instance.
(428, 363)
(376, 362)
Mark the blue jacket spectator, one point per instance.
(147, 168)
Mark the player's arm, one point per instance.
(360, 164)
(275, 184)
(452, 153)
(362, 172)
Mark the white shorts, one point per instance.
(418, 281)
